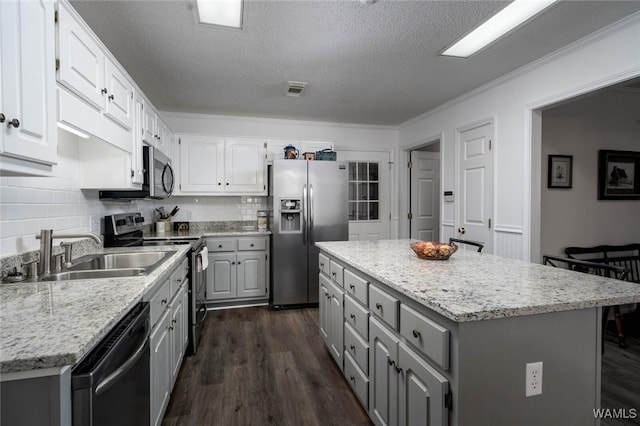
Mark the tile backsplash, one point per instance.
(28, 204)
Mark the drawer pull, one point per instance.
(179, 280)
(352, 287)
(352, 347)
(333, 273)
(416, 334)
(353, 316)
(163, 301)
(378, 306)
(250, 245)
(322, 265)
(219, 245)
(353, 379)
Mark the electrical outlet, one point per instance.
(94, 224)
(534, 379)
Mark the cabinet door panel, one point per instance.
(336, 324)
(251, 274)
(81, 60)
(325, 312)
(160, 368)
(383, 391)
(422, 391)
(176, 334)
(149, 124)
(244, 166)
(221, 277)
(201, 165)
(28, 79)
(119, 97)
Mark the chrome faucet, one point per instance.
(46, 239)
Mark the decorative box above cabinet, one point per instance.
(218, 166)
(28, 136)
(275, 148)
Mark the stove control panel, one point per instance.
(123, 223)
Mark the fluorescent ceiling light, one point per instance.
(517, 13)
(226, 13)
(72, 130)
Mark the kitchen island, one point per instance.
(449, 342)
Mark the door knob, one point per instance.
(461, 230)
(15, 123)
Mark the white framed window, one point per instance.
(364, 189)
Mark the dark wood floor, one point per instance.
(262, 367)
(621, 379)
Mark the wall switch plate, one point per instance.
(533, 380)
(94, 224)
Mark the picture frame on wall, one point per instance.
(560, 171)
(618, 175)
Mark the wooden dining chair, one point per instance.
(478, 244)
(594, 268)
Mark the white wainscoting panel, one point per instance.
(508, 242)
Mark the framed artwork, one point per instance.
(618, 175)
(560, 171)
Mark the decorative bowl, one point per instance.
(433, 251)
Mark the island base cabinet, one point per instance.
(336, 324)
(324, 307)
(422, 392)
(383, 392)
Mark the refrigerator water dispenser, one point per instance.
(290, 216)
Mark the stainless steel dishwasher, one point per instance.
(111, 385)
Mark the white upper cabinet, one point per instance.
(119, 103)
(27, 95)
(149, 118)
(217, 166)
(201, 166)
(245, 166)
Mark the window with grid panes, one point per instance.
(364, 204)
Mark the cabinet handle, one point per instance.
(378, 306)
(170, 327)
(416, 334)
(251, 245)
(322, 265)
(227, 183)
(352, 316)
(353, 348)
(111, 97)
(391, 362)
(173, 321)
(219, 245)
(233, 263)
(398, 369)
(15, 123)
(238, 262)
(219, 183)
(104, 91)
(163, 301)
(179, 280)
(353, 379)
(2, 118)
(328, 296)
(333, 273)
(352, 287)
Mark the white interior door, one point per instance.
(425, 195)
(369, 212)
(476, 186)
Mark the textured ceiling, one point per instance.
(373, 64)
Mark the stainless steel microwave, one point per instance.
(158, 180)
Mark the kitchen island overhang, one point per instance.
(499, 315)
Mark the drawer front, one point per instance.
(251, 244)
(356, 347)
(357, 316)
(384, 306)
(323, 264)
(336, 272)
(221, 245)
(358, 381)
(356, 286)
(159, 302)
(426, 335)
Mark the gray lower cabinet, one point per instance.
(168, 340)
(238, 269)
(391, 353)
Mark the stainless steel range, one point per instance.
(126, 230)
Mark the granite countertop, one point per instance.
(199, 233)
(471, 286)
(54, 324)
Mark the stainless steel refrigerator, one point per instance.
(309, 204)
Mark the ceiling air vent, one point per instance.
(295, 88)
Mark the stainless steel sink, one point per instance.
(148, 260)
(91, 274)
